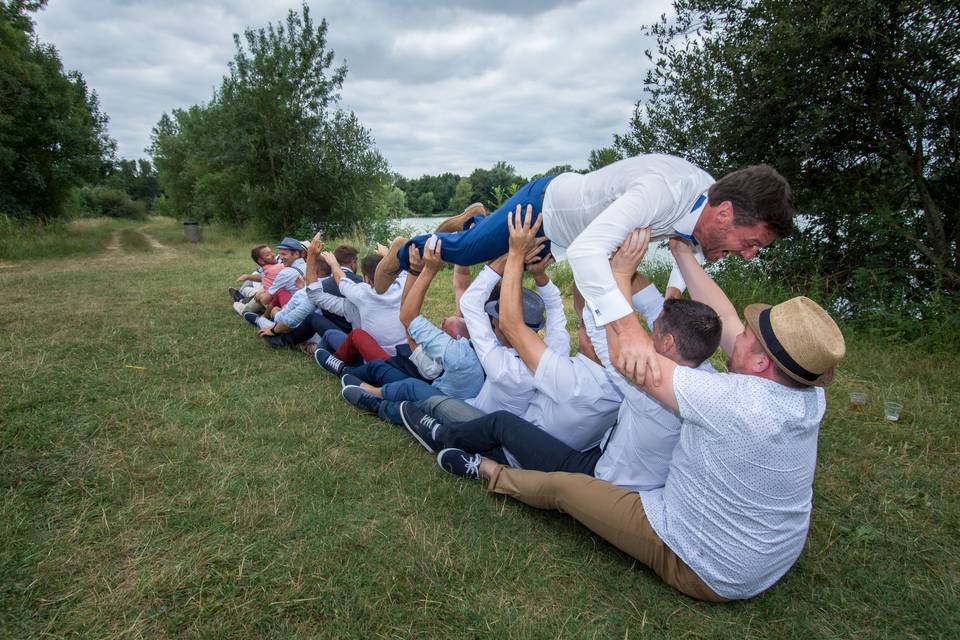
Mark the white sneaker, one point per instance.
(263, 323)
(239, 307)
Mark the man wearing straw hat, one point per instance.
(733, 516)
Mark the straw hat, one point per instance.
(802, 338)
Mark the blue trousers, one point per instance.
(490, 237)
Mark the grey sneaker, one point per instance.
(460, 463)
(239, 307)
(421, 426)
(361, 399)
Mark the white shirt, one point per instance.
(637, 451)
(737, 500)
(575, 401)
(509, 383)
(586, 217)
(377, 314)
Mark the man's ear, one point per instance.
(724, 213)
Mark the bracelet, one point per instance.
(412, 272)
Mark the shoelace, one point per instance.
(473, 465)
(335, 363)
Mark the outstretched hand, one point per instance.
(316, 247)
(416, 260)
(331, 260)
(523, 232)
(431, 255)
(679, 247)
(630, 254)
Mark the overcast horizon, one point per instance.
(441, 88)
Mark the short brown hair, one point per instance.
(256, 251)
(345, 253)
(695, 328)
(369, 266)
(758, 194)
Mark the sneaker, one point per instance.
(235, 294)
(454, 224)
(329, 362)
(361, 399)
(389, 267)
(264, 323)
(239, 307)
(460, 463)
(350, 380)
(251, 317)
(421, 426)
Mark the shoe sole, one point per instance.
(389, 267)
(416, 436)
(455, 223)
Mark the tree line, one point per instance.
(857, 104)
(56, 157)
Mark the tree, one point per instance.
(856, 103)
(53, 136)
(462, 195)
(600, 158)
(491, 184)
(271, 145)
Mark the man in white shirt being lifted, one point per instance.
(586, 217)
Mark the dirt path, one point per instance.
(116, 240)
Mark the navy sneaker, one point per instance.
(329, 362)
(350, 380)
(460, 463)
(421, 426)
(235, 294)
(251, 317)
(361, 399)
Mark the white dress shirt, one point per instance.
(638, 449)
(377, 314)
(586, 217)
(509, 383)
(574, 399)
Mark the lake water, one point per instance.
(656, 252)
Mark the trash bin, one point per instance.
(191, 230)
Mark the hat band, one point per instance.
(777, 351)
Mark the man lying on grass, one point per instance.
(733, 515)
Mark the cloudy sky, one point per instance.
(443, 86)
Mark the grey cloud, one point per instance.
(449, 86)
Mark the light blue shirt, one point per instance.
(462, 372)
(297, 310)
(737, 499)
(287, 278)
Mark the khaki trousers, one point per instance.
(614, 514)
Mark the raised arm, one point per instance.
(313, 257)
(416, 292)
(524, 339)
(703, 289)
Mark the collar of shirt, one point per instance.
(685, 225)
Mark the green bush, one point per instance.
(106, 201)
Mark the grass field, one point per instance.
(166, 474)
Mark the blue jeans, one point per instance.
(407, 389)
(533, 447)
(488, 239)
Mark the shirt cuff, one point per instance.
(609, 307)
